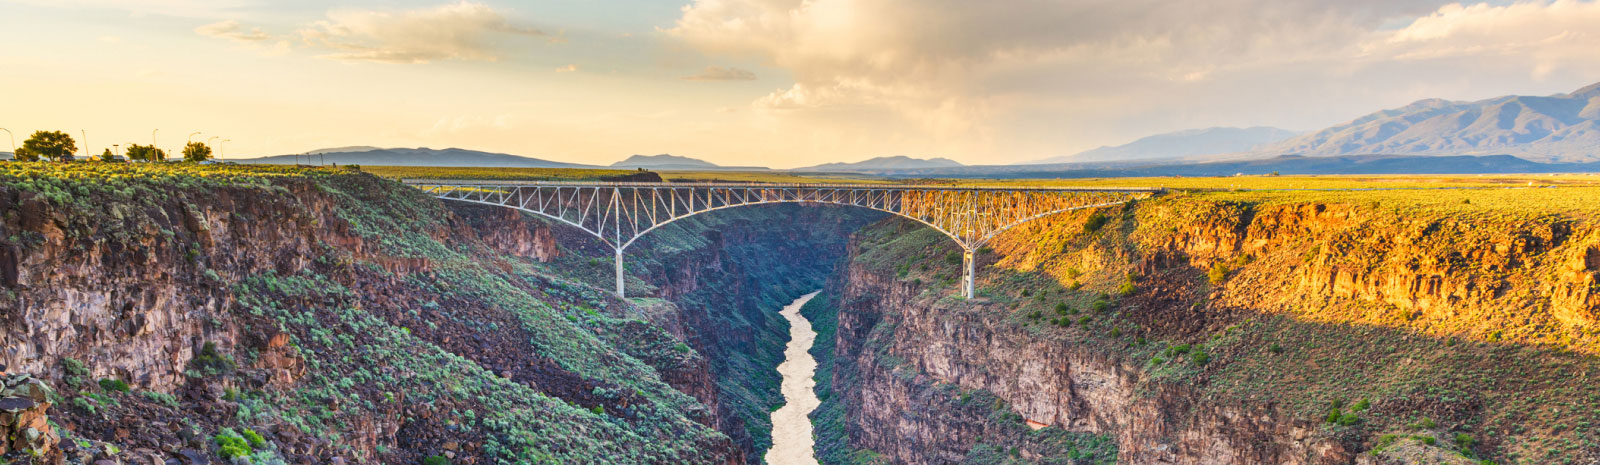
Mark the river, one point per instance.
(791, 425)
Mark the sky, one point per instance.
(777, 83)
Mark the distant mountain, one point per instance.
(419, 157)
(884, 164)
(1286, 164)
(1559, 128)
(665, 162)
(1190, 143)
(351, 149)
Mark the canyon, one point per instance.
(200, 314)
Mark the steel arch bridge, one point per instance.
(619, 213)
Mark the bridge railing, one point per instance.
(619, 213)
(747, 185)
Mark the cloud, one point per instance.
(252, 37)
(232, 30)
(718, 73)
(962, 70)
(1542, 36)
(464, 31)
(567, 69)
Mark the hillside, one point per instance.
(415, 157)
(1563, 128)
(878, 164)
(1191, 143)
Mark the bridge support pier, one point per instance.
(968, 272)
(621, 281)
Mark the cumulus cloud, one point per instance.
(956, 68)
(718, 73)
(1541, 35)
(465, 31)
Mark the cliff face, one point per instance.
(316, 315)
(1208, 331)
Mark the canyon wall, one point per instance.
(1202, 332)
(338, 316)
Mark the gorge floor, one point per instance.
(792, 443)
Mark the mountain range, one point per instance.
(883, 164)
(1556, 128)
(1190, 143)
(665, 162)
(416, 157)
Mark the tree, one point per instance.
(23, 154)
(108, 157)
(196, 152)
(54, 145)
(145, 153)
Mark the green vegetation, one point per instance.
(46, 145)
(196, 152)
(114, 385)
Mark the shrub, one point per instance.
(212, 361)
(1429, 440)
(1200, 357)
(231, 445)
(1095, 222)
(436, 460)
(1465, 441)
(1276, 349)
(1218, 273)
(1061, 308)
(1127, 288)
(1116, 332)
(84, 404)
(161, 398)
(1334, 415)
(1100, 305)
(114, 385)
(1349, 419)
(74, 367)
(254, 439)
(1361, 405)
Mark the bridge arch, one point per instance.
(618, 214)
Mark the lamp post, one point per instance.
(85, 142)
(222, 150)
(13, 139)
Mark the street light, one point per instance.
(13, 139)
(85, 142)
(191, 137)
(222, 150)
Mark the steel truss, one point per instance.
(620, 213)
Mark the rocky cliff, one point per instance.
(196, 314)
(1226, 328)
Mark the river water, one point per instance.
(791, 426)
